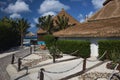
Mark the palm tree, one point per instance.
(62, 22)
(46, 23)
(23, 25)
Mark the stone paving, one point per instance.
(7, 60)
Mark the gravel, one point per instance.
(99, 76)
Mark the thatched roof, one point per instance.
(64, 13)
(104, 23)
(41, 31)
(110, 9)
(30, 34)
(97, 28)
(72, 21)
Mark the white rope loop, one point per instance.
(65, 70)
(113, 72)
(98, 58)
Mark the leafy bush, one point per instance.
(112, 47)
(115, 56)
(9, 36)
(69, 46)
(49, 40)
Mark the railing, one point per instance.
(42, 71)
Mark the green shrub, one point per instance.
(49, 40)
(69, 46)
(112, 47)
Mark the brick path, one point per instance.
(7, 60)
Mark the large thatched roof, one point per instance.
(71, 19)
(110, 9)
(97, 28)
(105, 23)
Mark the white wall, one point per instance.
(94, 48)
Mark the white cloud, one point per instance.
(15, 15)
(98, 3)
(51, 5)
(19, 6)
(83, 17)
(90, 14)
(32, 25)
(35, 20)
(49, 13)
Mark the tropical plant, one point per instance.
(62, 22)
(8, 34)
(22, 26)
(46, 23)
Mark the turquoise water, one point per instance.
(41, 42)
(27, 41)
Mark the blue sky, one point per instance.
(32, 9)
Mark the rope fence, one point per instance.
(113, 72)
(98, 58)
(65, 70)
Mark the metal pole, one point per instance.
(13, 58)
(19, 64)
(84, 64)
(42, 74)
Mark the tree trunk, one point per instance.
(21, 40)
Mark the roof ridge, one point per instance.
(102, 19)
(106, 2)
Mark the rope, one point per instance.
(113, 72)
(98, 58)
(16, 58)
(31, 59)
(74, 52)
(65, 70)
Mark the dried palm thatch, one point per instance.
(41, 31)
(72, 21)
(97, 28)
(110, 9)
(30, 34)
(104, 23)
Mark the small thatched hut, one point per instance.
(40, 34)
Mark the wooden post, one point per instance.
(41, 74)
(54, 58)
(19, 64)
(34, 48)
(84, 64)
(13, 58)
(26, 67)
(30, 50)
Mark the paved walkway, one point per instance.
(60, 71)
(5, 59)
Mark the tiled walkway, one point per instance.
(7, 60)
